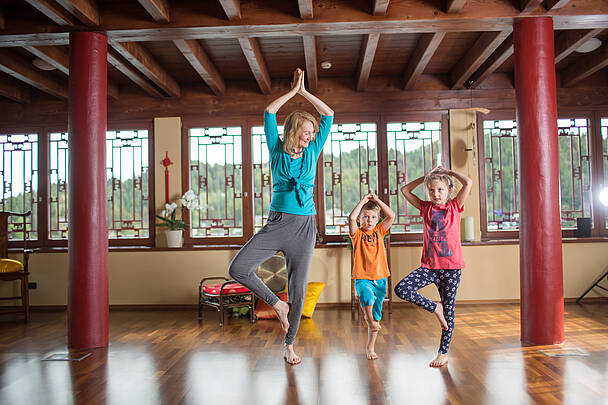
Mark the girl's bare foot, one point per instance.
(290, 356)
(371, 354)
(282, 309)
(439, 361)
(440, 317)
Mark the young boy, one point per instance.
(370, 269)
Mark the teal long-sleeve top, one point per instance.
(294, 179)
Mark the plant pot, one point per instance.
(174, 238)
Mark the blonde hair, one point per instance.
(447, 179)
(371, 206)
(293, 123)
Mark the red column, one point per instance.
(88, 229)
(541, 281)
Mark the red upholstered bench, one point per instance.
(222, 296)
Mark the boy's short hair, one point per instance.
(371, 206)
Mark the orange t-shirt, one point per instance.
(369, 254)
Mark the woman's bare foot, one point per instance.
(439, 361)
(290, 356)
(282, 309)
(440, 317)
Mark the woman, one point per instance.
(291, 222)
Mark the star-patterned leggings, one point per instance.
(447, 282)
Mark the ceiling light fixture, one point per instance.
(325, 64)
(42, 64)
(589, 46)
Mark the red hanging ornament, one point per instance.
(166, 162)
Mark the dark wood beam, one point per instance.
(310, 55)
(454, 6)
(551, 5)
(21, 69)
(305, 7)
(113, 91)
(158, 9)
(12, 90)
(485, 45)
(56, 56)
(132, 74)
(203, 65)
(528, 6)
(53, 11)
(504, 52)
(60, 58)
(585, 66)
(255, 59)
(380, 7)
(139, 57)
(569, 40)
(427, 45)
(232, 8)
(2, 21)
(85, 10)
(368, 51)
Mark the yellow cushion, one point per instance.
(10, 266)
(313, 291)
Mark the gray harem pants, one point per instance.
(295, 236)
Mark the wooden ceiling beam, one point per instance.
(158, 9)
(203, 65)
(504, 52)
(85, 10)
(528, 6)
(485, 45)
(21, 69)
(585, 66)
(53, 11)
(2, 21)
(569, 40)
(552, 5)
(366, 60)
(454, 6)
(306, 10)
(12, 90)
(426, 48)
(143, 61)
(60, 58)
(133, 74)
(56, 56)
(310, 55)
(232, 8)
(255, 59)
(380, 7)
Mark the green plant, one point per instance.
(168, 216)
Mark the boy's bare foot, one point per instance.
(282, 309)
(440, 317)
(439, 361)
(290, 356)
(371, 354)
(373, 326)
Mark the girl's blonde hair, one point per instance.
(293, 122)
(445, 178)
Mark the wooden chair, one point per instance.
(11, 270)
(355, 307)
(224, 295)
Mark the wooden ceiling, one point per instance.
(160, 47)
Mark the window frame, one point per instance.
(599, 213)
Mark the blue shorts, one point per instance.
(371, 292)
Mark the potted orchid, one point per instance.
(175, 225)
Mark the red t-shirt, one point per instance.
(441, 248)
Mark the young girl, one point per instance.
(442, 260)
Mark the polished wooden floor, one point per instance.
(167, 357)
